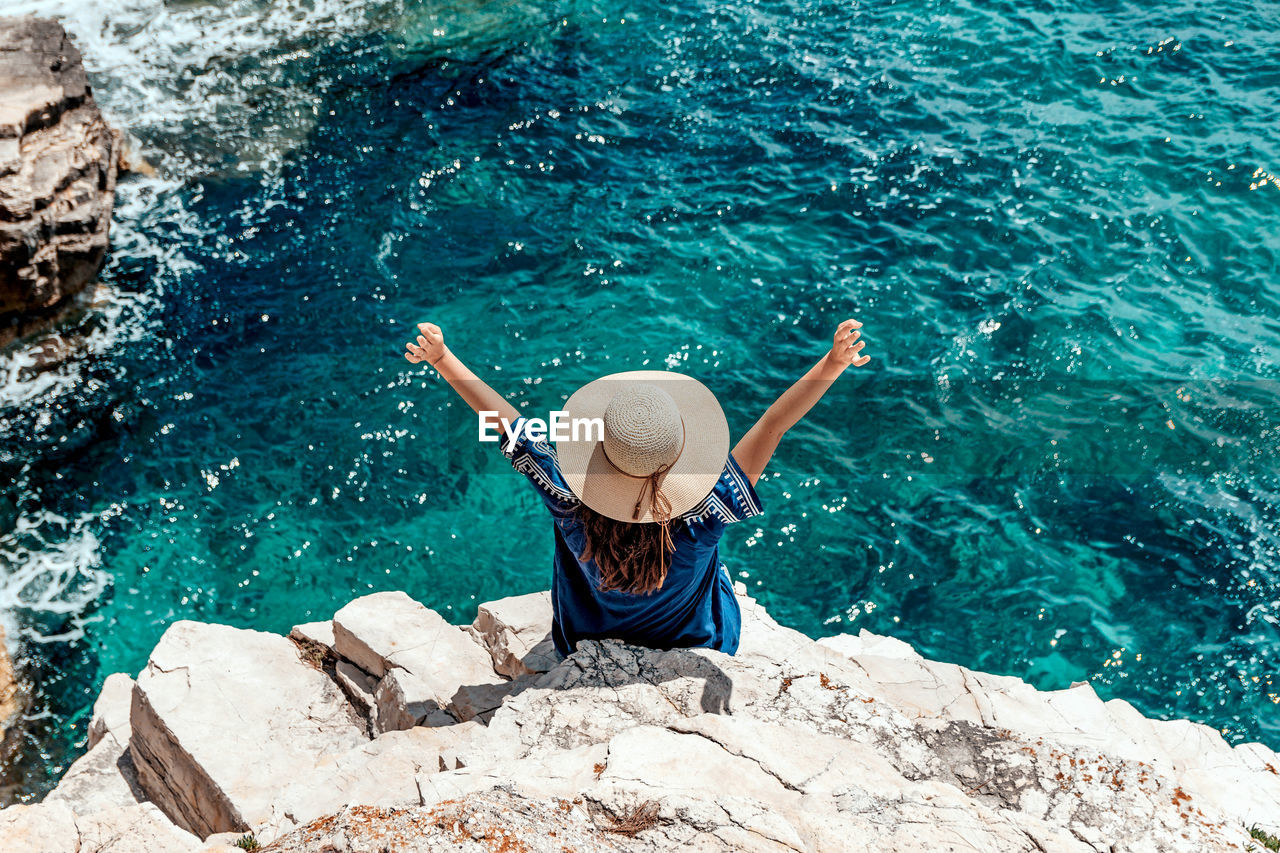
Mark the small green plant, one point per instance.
(248, 842)
(1266, 839)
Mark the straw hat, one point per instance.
(665, 444)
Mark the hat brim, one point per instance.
(610, 492)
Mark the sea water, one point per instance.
(1059, 223)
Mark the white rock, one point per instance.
(39, 828)
(141, 826)
(763, 637)
(223, 719)
(559, 774)
(493, 820)
(320, 633)
(373, 629)
(851, 743)
(450, 741)
(978, 770)
(867, 643)
(360, 688)
(404, 701)
(103, 778)
(381, 773)
(222, 842)
(516, 631)
(427, 667)
(111, 709)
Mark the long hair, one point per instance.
(632, 557)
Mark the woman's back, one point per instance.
(694, 606)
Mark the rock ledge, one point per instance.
(391, 730)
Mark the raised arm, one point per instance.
(471, 388)
(756, 448)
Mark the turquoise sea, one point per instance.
(1058, 221)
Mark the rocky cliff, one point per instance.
(388, 729)
(12, 702)
(57, 175)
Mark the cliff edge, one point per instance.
(388, 729)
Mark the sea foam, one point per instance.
(52, 565)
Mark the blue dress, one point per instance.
(696, 605)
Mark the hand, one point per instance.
(845, 346)
(430, 346)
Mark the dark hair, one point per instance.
(632, 556)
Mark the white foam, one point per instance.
(50, 564)
(119, 316)
(163, 70)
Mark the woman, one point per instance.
(639, 511)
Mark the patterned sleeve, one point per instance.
(537, 461)
(731, 499)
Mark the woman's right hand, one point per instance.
(845, 346)
(430, 346)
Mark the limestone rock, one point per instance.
(111, 709)
(852, 743)
(57, 173)
(141, 826)
(430, 671)
(517, 633)
(449, 741)
(1191, 760)
(52, 827)
(764, 638)
(867, 643)
(102, 779)
(995, 787)
(381, 772)
(493, 820)
(40, 828)
(384, 772)
(224, 718)
(361, 689)
(560, 773)
(222, 842)
(105, 777)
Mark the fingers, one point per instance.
(430, 339)
(847, 337)
(846, 345)
(847, 325)
(847, 348)
(846, 333)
